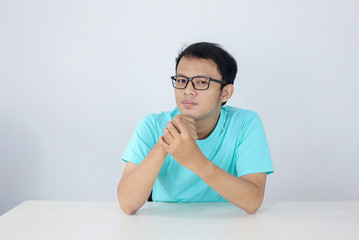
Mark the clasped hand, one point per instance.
(179, 140)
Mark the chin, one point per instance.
(188, 112)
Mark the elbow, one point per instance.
(252, 210)
(252, 206)
(128, 210)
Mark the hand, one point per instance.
(188, 123)
(179, 140)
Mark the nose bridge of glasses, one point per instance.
(192, 82)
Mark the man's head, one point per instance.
(204, 60)
(226, 64)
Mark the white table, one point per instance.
(52, 220)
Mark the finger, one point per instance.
(173, 130)
(163, 143)
(176, 121)
(174, 124)
(189, 123)
(191, 129)
(186, 118)
(167, 136)
(183, 126)
(194, 135)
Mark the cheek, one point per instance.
(214, 97)
(177, 97)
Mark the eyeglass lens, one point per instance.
(199, 82)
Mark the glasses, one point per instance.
(198, 83)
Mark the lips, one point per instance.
(189, 103)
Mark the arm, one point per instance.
(137, 180)
(246, 192)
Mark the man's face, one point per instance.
(200, 104)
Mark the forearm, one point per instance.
(242, 193)
(134, 189)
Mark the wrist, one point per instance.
(158, 148)
(202, 166)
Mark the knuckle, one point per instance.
(178, 117)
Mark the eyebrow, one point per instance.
(181, 75)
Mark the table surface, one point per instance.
(105, 220)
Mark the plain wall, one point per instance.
(77, 76)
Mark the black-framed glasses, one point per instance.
(198, 83)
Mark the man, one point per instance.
(202, 150)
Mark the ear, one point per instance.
(227, 92)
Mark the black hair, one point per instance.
(226, 64)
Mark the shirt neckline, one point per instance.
(217, 129)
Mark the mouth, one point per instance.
(188, 103)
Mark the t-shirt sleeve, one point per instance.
(253, 155)
(141, 142)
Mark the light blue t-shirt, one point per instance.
(238, 145)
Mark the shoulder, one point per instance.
(241, 121)
(240, 114)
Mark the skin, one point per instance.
(200, 112)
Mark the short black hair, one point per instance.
(226, 64)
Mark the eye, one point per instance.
(202, 81)
(181, 80)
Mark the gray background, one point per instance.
(77, 76)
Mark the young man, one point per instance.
(202, 150)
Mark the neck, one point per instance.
(206, 126)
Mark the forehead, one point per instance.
(192, 66)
